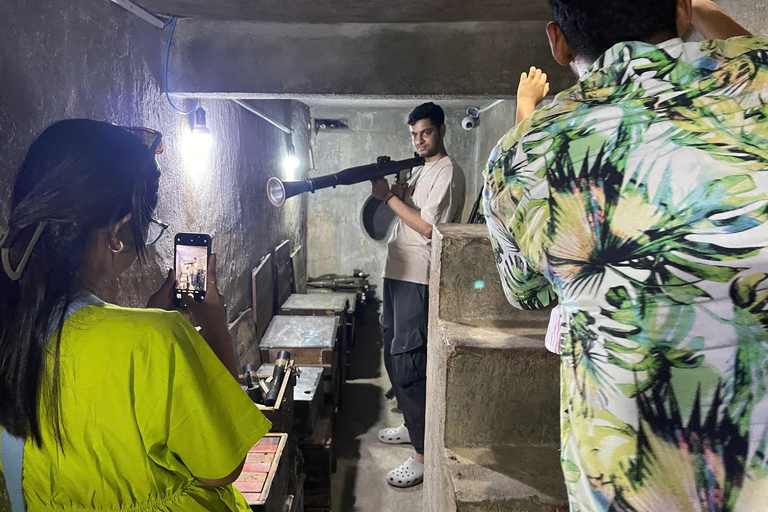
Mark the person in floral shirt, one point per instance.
(638, 199)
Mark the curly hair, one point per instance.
(592, 27)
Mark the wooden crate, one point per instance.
(331, 382)
(330, 304)
(264, 478)
(308, 398)
(351, 316)
(281, 414)
(310, 340)
(302, 356)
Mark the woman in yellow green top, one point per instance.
(120, 409)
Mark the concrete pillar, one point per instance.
(492, 439)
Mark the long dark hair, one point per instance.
(78, 176)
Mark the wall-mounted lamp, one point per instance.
(291, 162)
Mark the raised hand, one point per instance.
(532, 90)
(533, 87)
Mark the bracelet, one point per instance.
(390, 197)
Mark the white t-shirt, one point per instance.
(437, 190)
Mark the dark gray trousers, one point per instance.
(404, 325)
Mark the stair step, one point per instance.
(507, 479)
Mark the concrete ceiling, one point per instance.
(353, 11)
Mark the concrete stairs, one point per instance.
(493, 390)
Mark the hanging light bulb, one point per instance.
(201, 135)
(198, 144)
(291, 162)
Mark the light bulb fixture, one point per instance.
(198, 144)
(201, 126)
(291, 162)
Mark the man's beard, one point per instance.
(429, 153)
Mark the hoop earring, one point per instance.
(119, 249)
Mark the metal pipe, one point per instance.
(253, 110)
(490, 106)
(140, 12)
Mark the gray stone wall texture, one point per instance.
(465, 59)
(92, 59)
(336, 240)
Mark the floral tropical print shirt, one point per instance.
(639, 200)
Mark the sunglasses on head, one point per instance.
(151, 138)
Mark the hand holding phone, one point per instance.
(192, 253)
(163, 297)
(210, 314)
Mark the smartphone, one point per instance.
(193, 251)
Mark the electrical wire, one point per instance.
(165, 70)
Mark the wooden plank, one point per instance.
(263, 295)
(273, 470)
(243, 333)
(283, 273)
(259, 457)
(299, 267)
(251, 497)
(283, 253)
(302, 356)
(252, 482)
(281, 414)
(259, 467)
(258, 478)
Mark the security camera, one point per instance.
(473, 117)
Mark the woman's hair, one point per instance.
(78, 176)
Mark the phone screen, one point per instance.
(191, 264)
